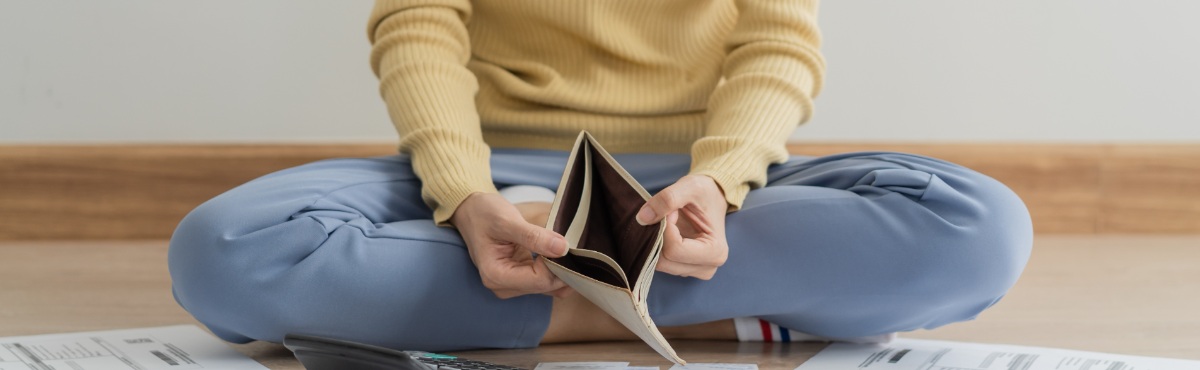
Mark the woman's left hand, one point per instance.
(694, 209)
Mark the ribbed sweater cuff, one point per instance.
(736, 164)
(451, 165)
(750, 120)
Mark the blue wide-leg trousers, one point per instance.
(845, 245)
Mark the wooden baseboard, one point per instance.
(142, 191)
(132, 191)
(1081, 188)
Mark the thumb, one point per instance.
(662, 204)
(537, 239)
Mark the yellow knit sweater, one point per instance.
(726, 80)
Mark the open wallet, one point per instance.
(610, 257)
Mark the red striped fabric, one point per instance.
(766, 330)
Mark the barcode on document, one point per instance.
(165, 358)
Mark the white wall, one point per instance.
(1035, 70)
(921, 70)
(148, 70)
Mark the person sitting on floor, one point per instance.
(697, 98)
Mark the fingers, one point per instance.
(697, 219)
(695, 191)
(686, 270)
(687, 257)
(705, 251)
(499, 241)
(508, 278)
(535, 238)
(666, 201)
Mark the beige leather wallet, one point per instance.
(610, 258)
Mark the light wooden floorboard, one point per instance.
(122, 192)
(1123, 294)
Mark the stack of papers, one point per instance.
(162, 348)
(916, 354)
(625, 366)
(189, 347)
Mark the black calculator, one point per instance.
(320, 353)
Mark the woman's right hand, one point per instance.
(499, 241)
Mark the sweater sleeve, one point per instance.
(419, 52)
(772, 70)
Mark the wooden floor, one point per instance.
(1124, 294)
(127, 192)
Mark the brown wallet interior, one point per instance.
(611, 227)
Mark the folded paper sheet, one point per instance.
(917, 354)
(160, 348)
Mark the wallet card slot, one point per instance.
(608, 261)
(592, 268)
(571, 191)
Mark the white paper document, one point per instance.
(168, 347)
(625, 366)
(917, 354)
(714, 366)
(582, 366)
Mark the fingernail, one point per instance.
(560, 246)
(645, 216)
